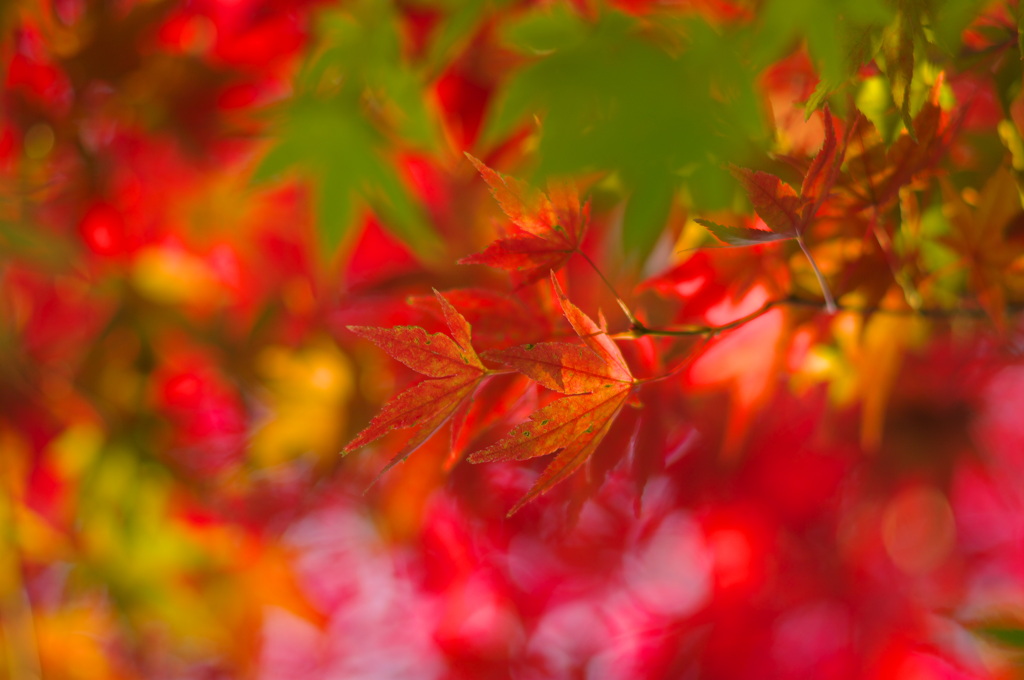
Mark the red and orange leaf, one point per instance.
(560, 366)
(598, 382)
(545, 232)
(457, 324)
(529, 256)
(432, 354)
(500, 401)
(574, 425)
(594, 336)
(426, 406)
(453, 363)
(488, 311)
(774, 201)
(529, 209)
(822, 173)
(573, 456)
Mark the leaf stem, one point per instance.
(622, 305)
(830, 302)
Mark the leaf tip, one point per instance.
(477, 163)
(559, 293)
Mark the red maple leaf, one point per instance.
(546, 228)
(786, 213)
(597, 382)
(453, 364)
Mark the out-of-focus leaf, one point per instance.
(556, 27)
(898, 41)
(838, 34)
(994, 260)
(29, 243)
(1006, 633)
(1020, 29)
(547, 229)
(874, 174)
(774, 201)
(355, 95)
(344, 157)
(598, 113)
(950, 18)
(742, 236)
(456, 28)
(786, 213)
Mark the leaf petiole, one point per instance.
(830, 302)
(622, 305)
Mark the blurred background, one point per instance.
(198, 196)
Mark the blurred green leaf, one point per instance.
(358, 103)
(344, 156)
(623, 98)
(461, 21)
(1006, 633)
(833, 29)
(949, 19)
(557, 27)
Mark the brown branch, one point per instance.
(639, 330)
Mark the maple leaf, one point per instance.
(785, 212)
(984, 238)
(546, 228)
(876, 174)
(453, 364)
(898, 41)
(596, 381)
(489, 311)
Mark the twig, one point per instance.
(639, 331)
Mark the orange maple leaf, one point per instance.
(984, 238)
(453, 364)
(546, 228)
(786, 213)
(597, 382)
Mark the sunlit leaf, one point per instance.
(426, 406)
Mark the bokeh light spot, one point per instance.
(918, 529)
(732, 556)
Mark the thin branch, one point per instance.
(638, 331)
(794, 301)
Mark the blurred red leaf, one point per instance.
(547, 229)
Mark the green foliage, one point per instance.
(358, 104)
(653, 106)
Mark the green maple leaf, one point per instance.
(616, 95)
(355, 95)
